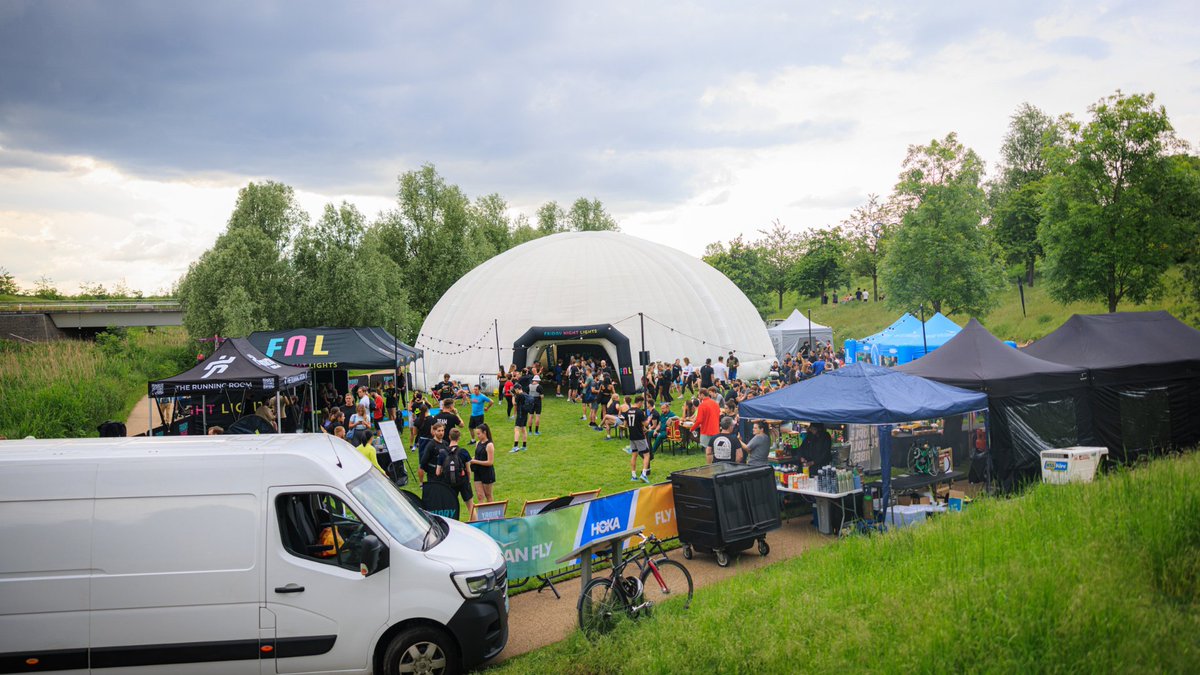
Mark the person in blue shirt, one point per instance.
(480, 404)
(818, 366)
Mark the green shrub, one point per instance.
(66, 389)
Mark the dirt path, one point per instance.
(538, 619)
(138, 422)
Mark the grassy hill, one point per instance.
(1042, 314)
(65, 389)
(1080, 578)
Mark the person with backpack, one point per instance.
(427, 468)
(483, 467)
(522, 418)
(453, 469)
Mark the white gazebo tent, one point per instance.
(790, 335)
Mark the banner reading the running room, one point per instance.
(533, 544)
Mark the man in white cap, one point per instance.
(535, 390)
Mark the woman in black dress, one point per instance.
(483, 467)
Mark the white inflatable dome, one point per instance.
(584, 282)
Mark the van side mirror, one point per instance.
(373, 555)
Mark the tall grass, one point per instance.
(67, 388)
(1080, 578)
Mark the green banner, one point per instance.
(532, 544)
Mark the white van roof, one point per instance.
(68, 449)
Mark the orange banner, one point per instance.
(656, 511)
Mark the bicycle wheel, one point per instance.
(599, 606)
(672, 585)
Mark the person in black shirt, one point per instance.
(449, 415)
(817, 449)
(422, 427)
(706, 374)
(433, 449)
(635, 423)
(665, 378)
(390, 401)
(464, 460)
(725, 446)
(520, 433)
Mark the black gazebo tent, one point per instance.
(1144, 369)
(235, 367)
(1034, 405)
(335, 348)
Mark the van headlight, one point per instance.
(475, 584)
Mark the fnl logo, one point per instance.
(297, 346)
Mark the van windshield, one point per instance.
(406, 523)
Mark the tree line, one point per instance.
(1099, 208)
(275, 267)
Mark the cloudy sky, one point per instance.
(126, 128)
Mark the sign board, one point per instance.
(391, 438)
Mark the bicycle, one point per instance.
(923, 459)
(604, 599)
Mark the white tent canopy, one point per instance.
(790, 335)
(561, 295)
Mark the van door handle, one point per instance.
(290, 588)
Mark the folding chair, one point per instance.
(584, 496)
(675, 436)
(533, 507)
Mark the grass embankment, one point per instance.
(1081, 578)
(66, 389)
(1042, 314)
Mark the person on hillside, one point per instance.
(427, 468)
(706, 374)
(366, 449)
(725, 446)
(483, 466)
(732, 363)
(520, 433)
(708, 418)
(453, 469)
(480, 404)
(635, 422)
(662, 423)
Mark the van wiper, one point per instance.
(436, 529)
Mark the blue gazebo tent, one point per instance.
(863, 393)
(904, 324)
(912, 343)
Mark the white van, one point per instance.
(233, 554)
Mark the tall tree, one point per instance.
(1188, 167)
(490, 225)
(867, 230)
(589, 216)
(822, 264)
(941, 255)
(249, 255)
(551, 219)
(8, 285)
(1111, 224)
(1016, 194)
(743, 264)
(778, 248)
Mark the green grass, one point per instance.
(1042, 314)
(567, 457)
(65, 389)
(1081, 578)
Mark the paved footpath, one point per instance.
(538, 619)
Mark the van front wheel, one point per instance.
(422, 650)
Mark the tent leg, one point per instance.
(278, 414)
(204, 414)
(312, 406)
(885, 464)
(150, 416)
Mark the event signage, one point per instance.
(532, 544)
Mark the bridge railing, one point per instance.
(88, 306)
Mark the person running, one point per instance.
(662, 424)
(635, 421)
(483, 467)
(520, 433)
(480, 404)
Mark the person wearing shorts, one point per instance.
(463, 489)
(635, 422)
(520, 434)
(483, 467)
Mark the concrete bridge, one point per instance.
(41, 322)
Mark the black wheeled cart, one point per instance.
(724, 508)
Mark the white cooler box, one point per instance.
(1067, 465)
